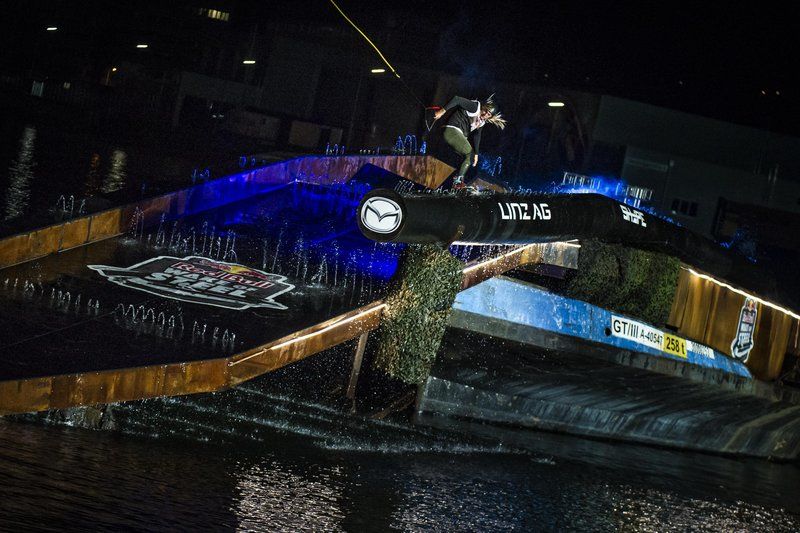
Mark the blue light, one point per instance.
(310, 220)
(611, 187)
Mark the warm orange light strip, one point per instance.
(573, 243)
(743, 293)
(329, 327)
(513, 252)
(379, 307)
(486, 264)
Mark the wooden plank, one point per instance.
(106, 224)
(304, 343)
(25, 395)
(44, 242)
(14, 250)
(73, 233)
(698, 303)
(679, 301)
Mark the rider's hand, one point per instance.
(438, 114)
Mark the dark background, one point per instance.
(733, 62)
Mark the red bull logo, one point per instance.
(202, 281)
(743, 340)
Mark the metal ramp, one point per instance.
(207, 288)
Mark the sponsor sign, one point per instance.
(200, 280)
(633, 216)
(626, 328)
(743, 341)
(700, 349)
(641, 333)
(381, 215)
(675, 345)
(524, 211)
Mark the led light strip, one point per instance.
(573, 243)
(743, 293)
(498, 258)
(378, 308)
(330, 326)
(467, 243)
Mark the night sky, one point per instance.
(732, 61)
(701, 58)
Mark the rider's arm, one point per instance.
(470, 106)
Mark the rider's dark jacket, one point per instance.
(465, 112)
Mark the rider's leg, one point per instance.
(456, 139)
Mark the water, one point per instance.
(52, 170)
(44, 176)
(284, 453)
(265, 458)
(301, 466)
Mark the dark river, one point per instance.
(52, 168)
(304, 466)
(259, 459)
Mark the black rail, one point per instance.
(386, 216)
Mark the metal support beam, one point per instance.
(357, 358)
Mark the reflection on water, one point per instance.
(20, 173)
(287, 500)
(280, 453)
(63, 477)
(93, 176)
(100, 166)
(638, 509)
(115, 179)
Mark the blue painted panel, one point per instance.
(524, 304)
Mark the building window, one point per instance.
(213, 14)
(683, 207)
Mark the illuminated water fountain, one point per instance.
(193, 283)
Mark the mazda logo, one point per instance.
(381, 215)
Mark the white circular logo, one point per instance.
(381, 215)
